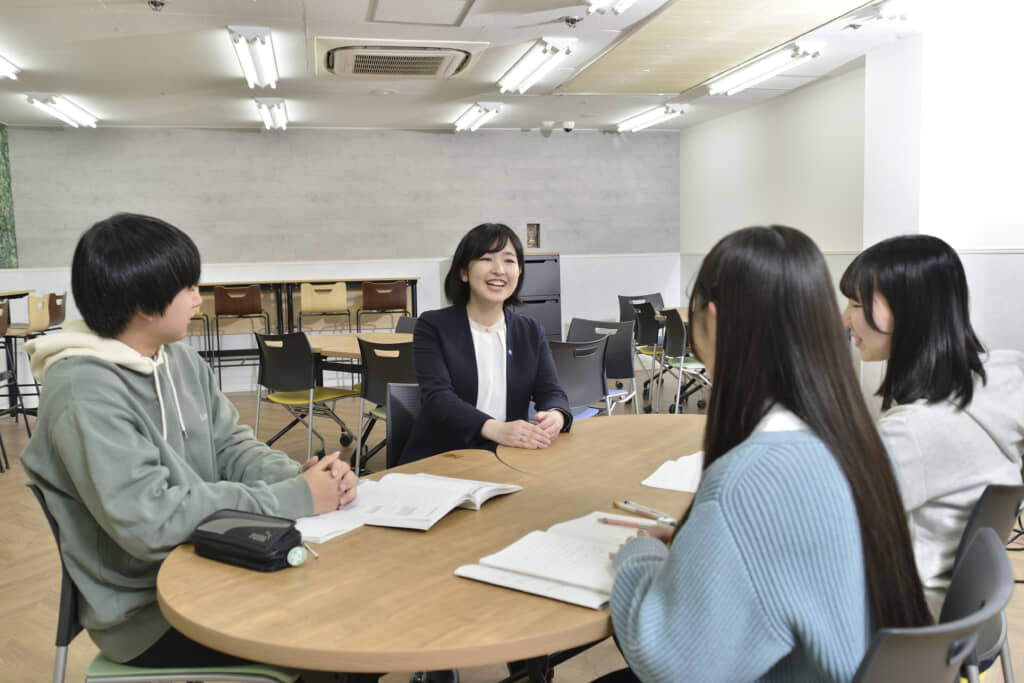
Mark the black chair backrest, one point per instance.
(981, 588)
(675, 334)
(286, 362)
(647, 327)
(405, 325)
(67, 619)
(996, 509)
(403, 407)
(580, 367)
(382, 365)
(618, 357)
(626, 304)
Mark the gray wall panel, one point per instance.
(328, 195)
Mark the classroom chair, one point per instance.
(38, 321)
(58, 306)
(236, 303)
(382, 297)
(618, 356)
(103, 670)
(4, 377)
(405, 325)
(580, 367)
(288, 371)
(675, 360)
(324, 300)
(650, 344)
(403, 407)
(980, 590)
(383, 364)
(205, 338)
(627, 303)
(996, 509)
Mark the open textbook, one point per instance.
(411, 501)
(568, 562)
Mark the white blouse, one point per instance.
(491, 352)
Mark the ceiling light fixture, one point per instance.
(273, 112)
(9, 70)
(255, 51)
(616, 6)
(477, 115)
(652, 117)
(544, 56)
(62, 108)
(764, 68)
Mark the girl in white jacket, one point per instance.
(953, 415)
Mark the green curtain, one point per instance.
(8, 238)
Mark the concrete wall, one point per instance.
(339, 195)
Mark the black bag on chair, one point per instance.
(248, 539)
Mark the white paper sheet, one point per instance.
(682, 474)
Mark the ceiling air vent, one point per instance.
(382, 61)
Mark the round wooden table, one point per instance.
(382, 599)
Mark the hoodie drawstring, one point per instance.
(160, 396)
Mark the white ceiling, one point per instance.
(131, 66)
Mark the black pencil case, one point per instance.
(248, 539)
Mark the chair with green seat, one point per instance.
(650, 344)
(104, 670)
(383, 364)
(288, 371)
(675, 361)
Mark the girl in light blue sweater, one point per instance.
(796, 545)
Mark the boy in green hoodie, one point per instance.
(136, 443)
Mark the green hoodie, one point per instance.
(131, 453)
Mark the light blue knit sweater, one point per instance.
(765, 581)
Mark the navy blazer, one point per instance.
(445, 363)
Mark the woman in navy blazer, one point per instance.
(484, 278)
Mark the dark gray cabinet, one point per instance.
(542, 292)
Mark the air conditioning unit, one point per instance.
(377, 59)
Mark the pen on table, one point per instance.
(645, 511)
(315, 554)
(624, 522)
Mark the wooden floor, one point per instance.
(30, 573)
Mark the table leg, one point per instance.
(289, 304)
(412, 289)
(279, 306)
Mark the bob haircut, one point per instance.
(770, 286)
(935, 352)
(130, 263)
(485, 238)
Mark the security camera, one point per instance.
(567, 126)
(156, 5)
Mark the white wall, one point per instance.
(795, 160)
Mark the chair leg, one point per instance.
(1006, 661)
(3, 451)
(60, 664)
(259, 400)
(309, 430)
(357, 453)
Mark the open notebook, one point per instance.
(568, 562)
(411, 501)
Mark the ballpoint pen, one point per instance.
(646, 511)
(627, 523)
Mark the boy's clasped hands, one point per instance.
(331, 481)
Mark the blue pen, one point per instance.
(646, 511)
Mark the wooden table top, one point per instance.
(16, 293)
(346, 344)
(287, 281)
(381, 599)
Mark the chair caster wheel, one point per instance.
(702, 404)
(647, 409)
(618, 385)
(345, 439)
(672, 409)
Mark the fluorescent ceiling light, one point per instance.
(652, 117)
(61, 108)
(544, 56)
(477, 115)
(273, 112)
(603, 6)
(764, 68)
(9, 70)
(255, 51)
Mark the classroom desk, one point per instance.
(11, 372)
(346, 344)
(381, 599)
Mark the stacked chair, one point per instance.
(382, 297)
(236, 303)
(324, 300)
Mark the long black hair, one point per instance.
(779, 341)
(935, 353)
